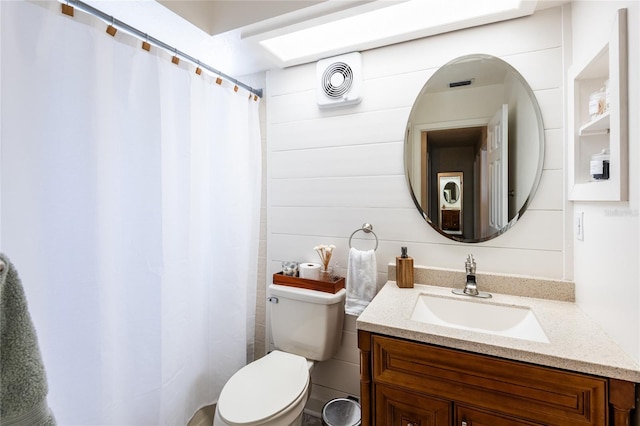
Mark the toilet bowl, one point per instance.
(306, 326)
(270, 391)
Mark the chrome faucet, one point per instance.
(471, 286)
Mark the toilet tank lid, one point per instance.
(305, 295)
(263, 388)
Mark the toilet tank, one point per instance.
(307, 322)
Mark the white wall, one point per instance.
(332, 170)
(260, 341)
(607, 262)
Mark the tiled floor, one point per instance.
(204, 417)
(309, 420)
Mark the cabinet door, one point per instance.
(396, 407)
(466, 416)
(549, 396)
(450, 220)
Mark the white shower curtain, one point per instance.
(130, 199)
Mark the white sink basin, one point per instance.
(479, 315)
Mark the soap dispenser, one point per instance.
(404, 270)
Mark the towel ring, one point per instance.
(367, 228)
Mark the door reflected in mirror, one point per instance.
(476, 116)
(450, 213)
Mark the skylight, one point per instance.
(394, 23)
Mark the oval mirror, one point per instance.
(477, 117)
(451, 192)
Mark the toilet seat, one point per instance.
(264, 389)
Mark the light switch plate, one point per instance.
(579, 226)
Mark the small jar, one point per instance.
(326, 274)
(599, 166)
(597, 103)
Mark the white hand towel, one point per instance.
(361, 280)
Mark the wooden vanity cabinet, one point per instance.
(397, 407)
(450, 220)
(467, 416)
(407, 383)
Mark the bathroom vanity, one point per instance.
(415, 371)
(410, 383)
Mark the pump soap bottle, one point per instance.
(404, 270)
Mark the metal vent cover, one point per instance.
(339, 80)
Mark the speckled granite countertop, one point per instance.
(576, 342)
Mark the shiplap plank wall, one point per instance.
(329, 171)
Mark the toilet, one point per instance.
(306, 326)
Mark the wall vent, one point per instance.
(461, 83)
(339, 80)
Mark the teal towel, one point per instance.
(23, 382)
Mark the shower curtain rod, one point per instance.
(146, 37)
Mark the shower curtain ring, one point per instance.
(145, 44)
(67, 9)
(111, 29)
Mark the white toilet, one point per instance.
(306, 326)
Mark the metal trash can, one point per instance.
(341, 412)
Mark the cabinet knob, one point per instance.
(464, 423)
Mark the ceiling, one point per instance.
(219, 16)
(220, 32)
(232, 22)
